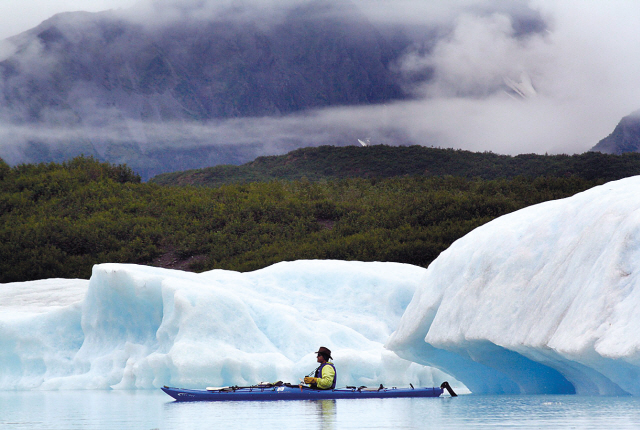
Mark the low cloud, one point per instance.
(582, 59)
(583, 67)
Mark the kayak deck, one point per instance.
(294, 392)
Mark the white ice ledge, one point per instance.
(543, 300)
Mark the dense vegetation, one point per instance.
(57, 220)
(381, 161)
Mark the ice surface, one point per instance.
(141, 327)
(543, 300)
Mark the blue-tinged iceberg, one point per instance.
(543, 300)
(141, 327)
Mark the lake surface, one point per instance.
(155, 410)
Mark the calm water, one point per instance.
(154, 410)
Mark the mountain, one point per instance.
(625, 137)
(108, 85)
(218, 68)
(171, 85)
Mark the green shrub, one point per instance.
(58, 220)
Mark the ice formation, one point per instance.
(543, 300)
(141, 327)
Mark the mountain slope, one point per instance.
(153, 95)
(189, 69)
(624, 138)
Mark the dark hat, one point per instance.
(324, 351)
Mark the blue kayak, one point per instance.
(296, 392)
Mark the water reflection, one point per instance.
(108, 410)
(312, 414)
(326, 410)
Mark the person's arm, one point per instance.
(326, 380)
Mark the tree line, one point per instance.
(59, 219)
(382, 161)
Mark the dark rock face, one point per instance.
(92, 83)
(76, 65)
(189, 91)
(625, 137)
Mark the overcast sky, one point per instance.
(585, 68)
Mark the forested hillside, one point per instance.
(58, 220)
(332, 162)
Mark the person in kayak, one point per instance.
(325, 375)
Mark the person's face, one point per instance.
(321, 359)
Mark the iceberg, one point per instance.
(138, 327)
(542, 300)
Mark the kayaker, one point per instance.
(325, 375)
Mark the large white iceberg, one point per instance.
(543, 300)
(141, 327)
